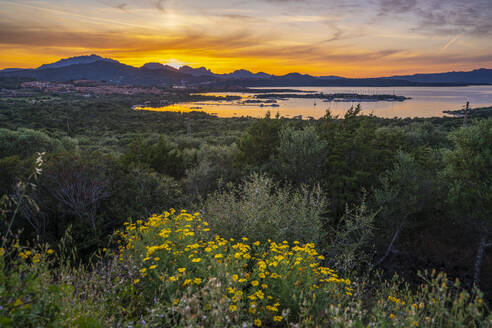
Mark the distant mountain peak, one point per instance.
(201, 71)
(242, 71)
(159, 66)
(245, 74)
(11, 70)
(88, 59)
(297, 75)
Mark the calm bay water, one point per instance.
(425, 102)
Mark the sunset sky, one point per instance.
(351, 38)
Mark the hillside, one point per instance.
(94, 67)
(478, 76)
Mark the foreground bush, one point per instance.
(171, 271)
(211, 280)
(32, 294)
(260, 209)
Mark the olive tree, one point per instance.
(299, 156)
(469, 170)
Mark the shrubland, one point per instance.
(352, 221)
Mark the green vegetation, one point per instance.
(331, 222)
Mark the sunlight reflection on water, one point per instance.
(425, 102)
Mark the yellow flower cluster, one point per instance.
(396, 300)
(35, 257)
(260, 280)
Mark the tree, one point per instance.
(79, 186)
(356, 154)
(162, 157)
(258, 143)
(469, 170)
(299, 155)
(211, 165)
(352, 241)
(403, 193)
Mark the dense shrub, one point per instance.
(260, 209)
(258, 143)
(209, 165)
(299, 156)
(468, 168)
(28, 295)
(352, 241)
(161, 156)
(25, 142)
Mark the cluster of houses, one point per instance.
(89, 88)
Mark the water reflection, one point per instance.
(425, 102)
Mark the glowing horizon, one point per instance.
(351, 38)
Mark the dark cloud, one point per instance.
(387, 7)
(448, 17)
(472, 17)
(338, 33)
(116, 5)
(122, 6)
(159, 5)
(241, 18)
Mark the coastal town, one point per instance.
(82, 87)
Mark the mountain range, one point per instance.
(94, 67)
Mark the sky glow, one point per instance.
(351, 38)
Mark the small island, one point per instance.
(350, 97)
